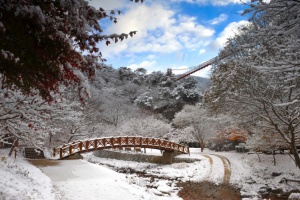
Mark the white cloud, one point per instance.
(108, 4)
(143, 18)
(151, 57)
(229, 31)
(158, 31)
(213, 2)
(148, 65)
(217, 20)
(202, 51)
(205, 72)
(188, 24)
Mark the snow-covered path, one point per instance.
(216, 174)
(220, 166)
(78, 179)
(226, 166)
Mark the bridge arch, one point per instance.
(117, 142)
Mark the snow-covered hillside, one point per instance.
(156, 91)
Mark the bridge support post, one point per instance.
(167, 157)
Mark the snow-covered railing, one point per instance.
(117, 142)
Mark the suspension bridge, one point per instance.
(201, 66)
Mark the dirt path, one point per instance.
(207, 189)
(227, 168)
(226, 165)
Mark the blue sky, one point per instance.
(176, 34)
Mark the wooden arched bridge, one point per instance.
(69, 149)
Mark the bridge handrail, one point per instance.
(68, 144)
(119, 141)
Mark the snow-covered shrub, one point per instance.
(148, 127)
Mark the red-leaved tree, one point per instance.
(42, 44)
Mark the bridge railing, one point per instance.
(117, 142)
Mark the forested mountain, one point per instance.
(126, 102)
(155, 92)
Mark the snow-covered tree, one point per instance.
(42, 44)
(30, 119)
(166, 96)
(148, 127)
(189, 115)
(259, 82)
(199, 124)
(68, 122)
(153, 92)
(201, 132)
(22, 117)
(108, 108)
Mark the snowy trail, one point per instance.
(227, 168)
(220, 166)
(216, 173)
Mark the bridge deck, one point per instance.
(117, 142)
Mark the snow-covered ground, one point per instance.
(251, 176)
(19, 180)
(80, 179)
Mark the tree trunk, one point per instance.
(70, 138)
(13, 146)
(295, 154)
(274, 159)
(50, 138)
(202, 145)
(294, 148)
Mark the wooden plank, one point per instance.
(118, 141)
(87, 143)
(80, 146)
(95, 143)
(70, 150)
(60, 153)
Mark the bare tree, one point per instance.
(201, 132)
